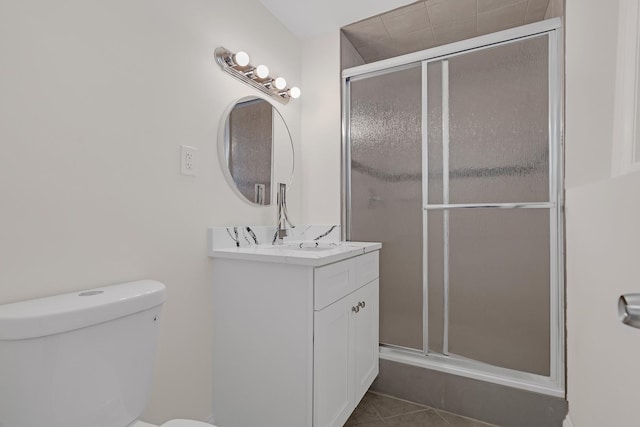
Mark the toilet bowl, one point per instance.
(81, 359)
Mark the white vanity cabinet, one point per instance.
(345, 349)
(294, 345)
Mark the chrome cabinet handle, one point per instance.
(356, 308)
(629, 310)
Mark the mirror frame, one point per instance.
(222, 157)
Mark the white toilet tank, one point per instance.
(83, 359)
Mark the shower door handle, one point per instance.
(629, 310)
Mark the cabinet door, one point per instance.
(333, 355)
(366, 340)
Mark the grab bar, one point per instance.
(629, 309)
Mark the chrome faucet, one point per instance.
(283, 219)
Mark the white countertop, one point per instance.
(285, 254)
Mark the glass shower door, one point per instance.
(489, 206)
(386, 194)
(452, 165)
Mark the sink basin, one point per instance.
(310, 248)
(306, 246)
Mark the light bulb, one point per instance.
(294, 92)
(261, 71)
(241, 59)
(280, 83)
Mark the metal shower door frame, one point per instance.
(554, 384)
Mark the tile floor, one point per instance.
(376, 410)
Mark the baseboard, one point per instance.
(567, 422)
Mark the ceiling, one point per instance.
(309, 18)
(425, 24)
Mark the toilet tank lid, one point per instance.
(61, 313)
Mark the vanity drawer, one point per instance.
(335, 281)
(367, 268)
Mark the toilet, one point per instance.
(83, 359)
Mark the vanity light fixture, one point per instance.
(241, 59)
(280, 83)
(237, 64)
(262, 72)
(294, 92)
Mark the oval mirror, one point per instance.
(255, 150)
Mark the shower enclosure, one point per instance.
(452, 159)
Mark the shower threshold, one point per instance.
(469, 368)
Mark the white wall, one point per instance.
(95, 99)
(321, 129)
(591, 34)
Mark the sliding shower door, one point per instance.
(488, 193)
(386, 194)
(453, 164)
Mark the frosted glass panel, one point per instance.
(435, 277)
(386, 194)
(434, 132)
(499, 124)
(499, 287)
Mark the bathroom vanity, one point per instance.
(295, 333)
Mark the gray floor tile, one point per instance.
(364, 414)
(369, 424)
(377, 410)
(458, 421)
(426, 418)
(389, 407)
